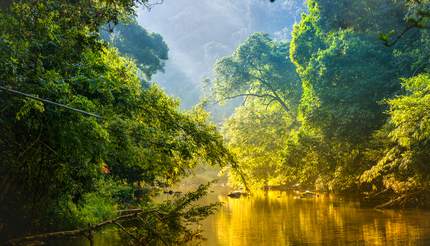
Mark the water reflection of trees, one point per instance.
(281, 219)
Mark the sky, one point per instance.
(198, 32)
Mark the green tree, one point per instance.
(336, 53)
(347, 138)
(402, 168)
(344, 91)
(55, 161)
(369, 16)
(256, 135)
(148, 49)
(259, 68)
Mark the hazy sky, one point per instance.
(198, 32)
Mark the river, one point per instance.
(281, 218)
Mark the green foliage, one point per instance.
(172, 222)
(148, 49)
(256, 135)
(259, 68)
(54, 160)
(160, 144)
(336, 53)
(408, 135)
(307, 39)
(94, 207)
(345, 91)
(369, 16)
(409, 113)
(356, 129)
(402, 167)
(418, 11)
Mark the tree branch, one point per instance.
(249, 95)
(131, 214)
(270, 102)
(265, 82)
(125, 230)
(390, 43)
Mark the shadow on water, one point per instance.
(281, 218)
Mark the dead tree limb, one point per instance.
(85, 232)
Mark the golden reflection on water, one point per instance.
(276, 218)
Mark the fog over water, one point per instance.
(198, 32)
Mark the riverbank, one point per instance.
(280, 218)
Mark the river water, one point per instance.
(281, 218)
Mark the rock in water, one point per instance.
(308, 194)
(237, 194)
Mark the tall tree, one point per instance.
(343, 93)
(259, 68)
(148, 49)
(256, 135)
(402, 170)
(55, 162)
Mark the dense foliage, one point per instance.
(342, 106)
(362, 95)
(259, 68)
(256, 134)
(148, 49)
(61, 169)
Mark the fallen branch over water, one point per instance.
(167, 223)
(86, 232)
(402, 201)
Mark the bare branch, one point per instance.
(126, 231)
(149, 5)
(130, 215)
(249, 95)
(270, 102)
(390, 43)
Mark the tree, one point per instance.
(148, 49)
(57, 165)
(335, 53)
(256, 136)
(259, 68)
(371, 16)
(402, 169)
(344, 92)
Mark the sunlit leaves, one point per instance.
(51, 156)
(256, 135)
(403, 164)
(349, 90)
(259, 68)
(410, 113)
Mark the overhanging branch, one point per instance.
(249, 95)
(128, 215)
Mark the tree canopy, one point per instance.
(148, 49)
(259, 68)
(61, 169)
(359, 92)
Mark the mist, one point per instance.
(200, 32)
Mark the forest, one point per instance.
(88, 139)
(341, 107)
